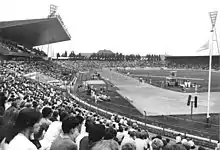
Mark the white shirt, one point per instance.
(125, 133)
(128, 139)
(20, 142)
(52, 133)
(120, 135)
(140, 144)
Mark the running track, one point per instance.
(158, 101)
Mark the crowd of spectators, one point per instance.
(189, 65)
(35, 115)
(14, 47)
(80, 65)
(48, 68)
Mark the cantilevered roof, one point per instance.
(35, 32)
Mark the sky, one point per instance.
(174, 27)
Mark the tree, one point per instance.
(58, 55)
(138, 57)
(64, 54)
(72, 54)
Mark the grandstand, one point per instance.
(18, 39)
(194, 62)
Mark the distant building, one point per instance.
(87, 55)
(105, 52)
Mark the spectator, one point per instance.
(110, 133)
(120, 134)
(53, 131)
(54, 116)
(141, 142)
(157, 144)
(129, 139)
(96, 133)
(27, 120)
(128, 146)
(66, 141)
(46, 112)
(106, 145)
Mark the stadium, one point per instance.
(162, 98)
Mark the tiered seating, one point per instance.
(14, 47)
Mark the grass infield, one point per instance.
(200, 76)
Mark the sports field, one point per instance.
(159, 101)
(164, 107)
(199, 77)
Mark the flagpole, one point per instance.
(210, 75)
(213, 17)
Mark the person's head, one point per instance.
(34, 104)
(157, 144)
(110, 133)
(46, 112)
(55, 114)
(132, 134)
(63, 115)
(120, 129)
(128, 146)
(106, 145)
(96, 132)
(70, 126)
(80, 119)
(27, 121)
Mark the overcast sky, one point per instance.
(177, 27)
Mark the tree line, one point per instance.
(110, 57)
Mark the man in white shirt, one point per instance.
(53, 131)
(141, 142)
(81, 135)
(129, 139)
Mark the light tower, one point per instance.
(52, 13)
(213, 17)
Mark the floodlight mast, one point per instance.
(213, 17)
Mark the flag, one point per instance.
(204, 47)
